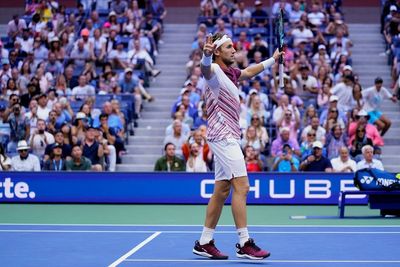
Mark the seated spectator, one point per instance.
(185, 127)
(114, 120)
(257, 108)
(301, 34)
(241, 17)
(5, 161)
(335, 140)
(261, 131)
(93, 150)
(177, 137)
(333, 104)
(316, 17)
(56, 162)
(251, 139)
(284, 138)
(59, 140)
(25, 161)
(220, 28)
(78, 130)
(40, 139)
(308, 85)
(83, 90)
(339, 44)
(371, 131)
(195, 162)
(201, 119)
(316, 162)
(258, 46)
(360, 140)
(332, 119)
(286, 162)
(253, 163)
(281, 109)
(369, 161)
(78, 162)
(115, 143)
(319, 130)
(259, 17)
(343, 163)
(202, 146)
(79, 55)
(169, 162)
(138, 54)
(295, 13)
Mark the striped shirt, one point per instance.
(223, 104)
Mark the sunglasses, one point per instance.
(333, 110)
(23, 150)
(311, 134)
(360, 131)
(255, 119)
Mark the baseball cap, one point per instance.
(378, 80)
(393, 8)
(57, 145)
(348, 67)
(253, 91)
(128, 70)
(85, 32)
(2, 107)
(333, 98)
(107, 24)
(317, 144)
(112, 13)
(257, 3)
(362, 113)
(321, 46)
(184, 90)
(80, 115)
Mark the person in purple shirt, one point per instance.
(284, 138)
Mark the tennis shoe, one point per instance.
(251, 251)
(208, 250)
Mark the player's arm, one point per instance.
(253, 70)
(206, 61)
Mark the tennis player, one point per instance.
(223, 135)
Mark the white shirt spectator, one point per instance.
(294, 16)
(277, 5)
(43, 113)
(345, 95)
(198, 164)
(316, 18)
(4, 161)
(3, 52)
(31, 163)
(376, 164)
(373, 99)
(26, 45)
(320, 133)
(300, 36)
(134, 55)
(121, 55)
(40, 141)
(12, 27)
(83, 92)
(177, 141)
(338, 165)
(241, 16)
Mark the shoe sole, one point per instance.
(245, 256)
(205, 254)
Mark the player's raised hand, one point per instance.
(209, 47)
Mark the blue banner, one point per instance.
(169, 188)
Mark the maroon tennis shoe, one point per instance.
(251, 251)
(208, 250)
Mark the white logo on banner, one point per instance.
(19, 190)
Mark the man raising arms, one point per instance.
(223, 134)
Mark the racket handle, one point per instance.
(281, 84)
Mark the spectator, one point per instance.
(203, 147)
(343, 163)
(241, 17)
(335, 140)
(258, 46)
(56, 162)
(259, 18)
(5, 161)
(195, 162)
(253, 163)
(261, 131)
(306, 145)
(316, 17)
(287, 121)
(333, 104)
(78, 162)
(40, 139)
(25, 161)
(333, 119)
(42, 109)
(360, 140)
(301, 34)
(369, 161)
(286, 162)
(295, 13)
(59, 140)
(320, 131)
(177, 137)
(93, 150)
(220, 28)
(361, 122)
(19, 126)
(251, 139)
(15, 27)
(79, 55)
(83, 90)
(138, 55)
(308, 84)
(316, 162)
(169, 162)
(373, 98)
(284, 138)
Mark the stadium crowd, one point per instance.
(322, 120)
(73, 81)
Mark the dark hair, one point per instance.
(167, 144)
(103, 115)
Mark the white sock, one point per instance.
(206, 235)
(243, 235)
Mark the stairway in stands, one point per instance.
(146, 146)
(369, 61)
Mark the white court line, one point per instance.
(132, 251)
(266, 261)
(200, 225)
(189, 232)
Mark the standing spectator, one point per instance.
(195, 162)
(343, 163)
(286, 162)
(40, 139)
(169, 162)
(5, 161)
(19, 125)
(251, 139)
(56, 162)
(369, 161)
(25, 161)
(373, 98)
(316, 162)
(78, 162)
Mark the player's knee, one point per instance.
(243, 190)
(223, 194)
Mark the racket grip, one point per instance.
(281, 85)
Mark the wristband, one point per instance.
(268, 63)
(206, 61)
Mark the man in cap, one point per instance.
(286, 162)
(259, 17)
(373, 99)
(316, 162)
(333, 104)
(56, 162)
(223, 109)
(25, 161)
(344, 92)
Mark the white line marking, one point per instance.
(272, 261)
(132, 251)
(199, 225)
(189, 232)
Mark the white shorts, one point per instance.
(229, 159)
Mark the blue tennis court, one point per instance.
(162, 245)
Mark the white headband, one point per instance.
(219, 42)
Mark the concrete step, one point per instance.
(141, 159)
(160, 102)
(390, 159)
(156, 115)
(150, 131)
(389, 141)
(387, 150)
(144, 149)
(153, 123)
(135, 167)
(146, 140)
(158, 108)
(391, 168)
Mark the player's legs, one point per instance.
(216, 203)
(387, 123)
(240, 187)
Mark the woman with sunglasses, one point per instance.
(359, 141)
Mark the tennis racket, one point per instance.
(280, 38)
